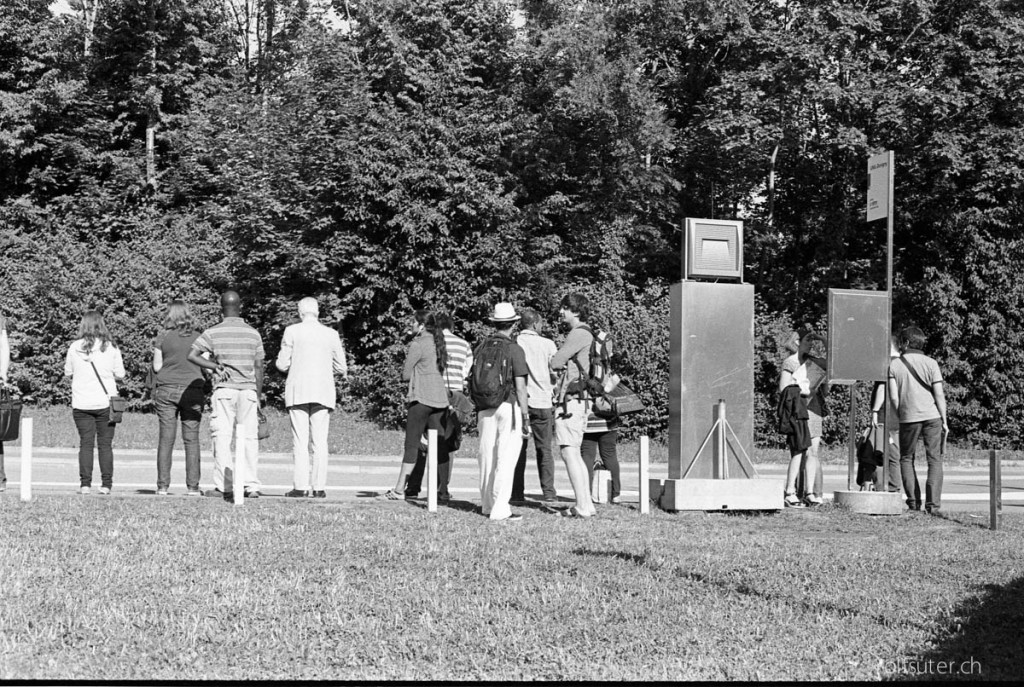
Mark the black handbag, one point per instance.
(262, 426)
(866, 452)
(10, 416)
(118, 404)
(619, 401)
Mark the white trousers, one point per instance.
(310, 422)
(231, 407)
(501, 437)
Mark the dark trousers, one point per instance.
(94, 430)
(931, 432)
(541, 425)
(421, 418)
(174, 402)
(605, 443)
(3, 475)
(870, 473)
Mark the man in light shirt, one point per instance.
(539, 351)
(310, 353)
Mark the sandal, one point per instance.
(571, 512)
(392, 495)
(791, 501)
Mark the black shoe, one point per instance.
(411, 497)
(217, 493)
(319, 494)
(444, 498)
(252, 494)
(294, 493)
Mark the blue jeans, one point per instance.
(95, 430)
(910, 433)
(542, 421)
(174, 402)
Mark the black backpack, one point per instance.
(591, 381)
(491, 381)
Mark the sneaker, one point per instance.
(293, 494)
(252, 494)
(104, 490)
(83, 490)
(616, 500)
(320, 494)
(791, 501)
(217, 493)
(3, 487)
(162, 492)
(515, 517)
(194, 492)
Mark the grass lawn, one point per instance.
(122, 588)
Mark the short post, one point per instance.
(431, 470)
(237, 479)
(26, 459)
(721, 469)
(645, 471)
(995, 489)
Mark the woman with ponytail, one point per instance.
(427, 398)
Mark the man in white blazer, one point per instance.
(310, 354)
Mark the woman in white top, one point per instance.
(94, 364)
(808, 372)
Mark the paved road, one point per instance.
(56, 470)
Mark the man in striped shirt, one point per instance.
(456, 372)
(236, 356)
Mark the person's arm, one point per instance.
(411, 358)
(259, 377)
(940, 403)
(69, 367)
(158, 360)
(284, 356)
(118, 366)
(197, 357)
(877, 399)
(467, 367)
(5, 352)
(574, 344)
(523, 403)
(894, 394)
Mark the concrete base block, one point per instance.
(871, 502)
(720, 494)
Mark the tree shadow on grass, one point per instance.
(986, 646)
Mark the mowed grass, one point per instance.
(120, 588)
(352, 435)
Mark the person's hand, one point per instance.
(874, 418)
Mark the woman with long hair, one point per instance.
(178, 395)
(807, 372)
(427, 397)
(94, 364)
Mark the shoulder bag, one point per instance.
(118, 404)
(10, 415)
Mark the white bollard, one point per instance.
(238, 478)
(431, 470)
(26, 459)
(645, 471)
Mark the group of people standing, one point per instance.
(439, 363)
(912, 398)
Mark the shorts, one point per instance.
(569, 430)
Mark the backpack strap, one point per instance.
(102, 385)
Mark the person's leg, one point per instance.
(190, 410)
(569, 435)
(319, 426)
(541, 425)
(487, 426)
(588, 452)
(892, 457)
(610, 457)
(509, 443)
(299, 415)
(812, 475)
(796, 460)
(105, 447)
(519, 474)
(3, 475)
(248, 404)
(436, 421)
(932, 433)
(415, 424)
(85, 423)
(222, 427)
(167, 419)
(909, 433)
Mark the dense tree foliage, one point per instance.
(394, 154)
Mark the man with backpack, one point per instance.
(915, 387)
(574, 399)
(497, 385)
